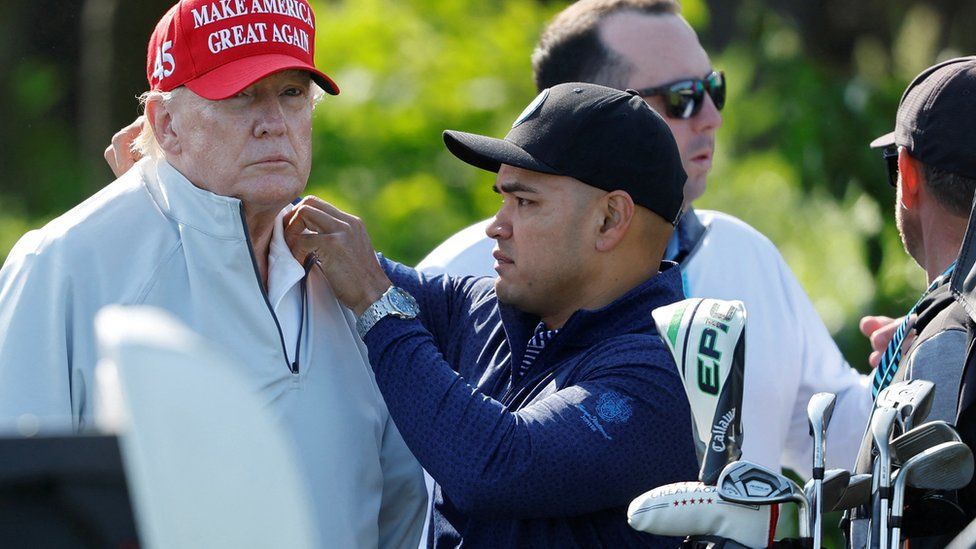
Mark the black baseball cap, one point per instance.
(604, 137)
(936, 118)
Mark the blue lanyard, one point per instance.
(892, 355)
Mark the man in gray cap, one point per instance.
(541, 401)
(932, 167)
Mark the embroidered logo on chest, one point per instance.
(613, 407)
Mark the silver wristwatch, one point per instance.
(395, 301)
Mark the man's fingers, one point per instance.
(870, 324)
(306, 216)
(307, 244)
(324, 206)
(119, 155)
(875, 359)
(109, 156)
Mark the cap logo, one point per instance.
(254, 33)
(533, 107)
(227, 9)
(165, 63)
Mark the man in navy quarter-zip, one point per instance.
(196, 229)
(541, 401)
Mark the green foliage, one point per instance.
(409, 70)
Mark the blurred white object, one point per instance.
(207, 464)
(694, 509)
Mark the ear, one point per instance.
(160, 117)
(617, 209)
(910, 174)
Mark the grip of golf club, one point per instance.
(817, 522)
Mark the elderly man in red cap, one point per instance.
(196, 229)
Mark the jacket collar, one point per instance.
(219, 217)
(685, 238)
(187, 204)
(630, 313)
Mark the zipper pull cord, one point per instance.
(309, 262)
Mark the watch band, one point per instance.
(394, 302)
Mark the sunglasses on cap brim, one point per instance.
(890, 156)
(684, 98)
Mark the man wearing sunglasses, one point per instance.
(646, 45)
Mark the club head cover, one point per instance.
(694, 509)
(706, 337)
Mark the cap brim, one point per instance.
(489, 153)
(884, 141)
(229, 79)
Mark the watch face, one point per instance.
(403, 302)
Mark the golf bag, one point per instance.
(963, 286)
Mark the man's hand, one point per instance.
(879, 330)
(119, 154)
(339, 244)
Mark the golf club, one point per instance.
(912, 399)
(919, 439)
(833, 486)
(947, 466)
(881, 423)
(819, 410)
(858, 492)
(752, 484)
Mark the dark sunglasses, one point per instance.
(890, 156)
(684, 98)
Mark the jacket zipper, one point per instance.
(512, 393)
(292, 366)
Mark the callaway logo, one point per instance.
(719, 430)
(163, 57)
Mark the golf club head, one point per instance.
(752, 484)
(819, 410)
(921, 438)
(835, 483)
(833, 486)
(946, 466)
(857, 493)
(694, 509)
(881, 423)
(706, 337)
(912, 399)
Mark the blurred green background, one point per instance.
(812, 82)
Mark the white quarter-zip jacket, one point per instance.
(153, 238)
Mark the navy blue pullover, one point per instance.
(553, 457)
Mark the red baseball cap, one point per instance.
(219, 47)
